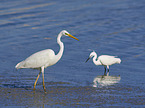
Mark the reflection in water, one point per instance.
(105, 80)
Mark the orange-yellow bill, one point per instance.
(72, 36)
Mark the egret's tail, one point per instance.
(19, 65)
(119, 61)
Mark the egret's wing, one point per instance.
(38, 59)
(108, 60)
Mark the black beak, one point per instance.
(88, 59)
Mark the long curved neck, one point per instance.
(60, 53)
(96, 62)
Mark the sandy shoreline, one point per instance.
(61, 96)
(55, 96)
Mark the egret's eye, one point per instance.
(66, 34)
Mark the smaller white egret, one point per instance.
(105, 60)
(43, 59)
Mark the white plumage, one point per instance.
(44, 58)
(105, 60)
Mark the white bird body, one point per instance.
(44, 58)
(108, 60)
(105, 60)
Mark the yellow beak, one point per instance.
(72, 36)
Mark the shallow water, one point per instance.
(108, 27)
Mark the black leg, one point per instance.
(105, 70)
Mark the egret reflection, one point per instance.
(104, 80)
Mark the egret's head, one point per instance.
(65, 33)
(92, 54)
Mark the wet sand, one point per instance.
(57, 96)
(69, 96)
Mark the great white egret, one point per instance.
(105, 60)
(43, 59)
